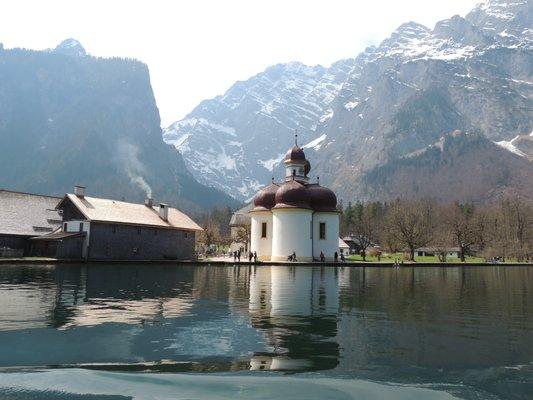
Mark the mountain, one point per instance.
(234, 141)
(392, 101)
(444, 167)
(67, 118)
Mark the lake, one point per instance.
(265, 332)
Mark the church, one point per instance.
(295, 216)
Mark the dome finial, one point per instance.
(296, 137)
(318, 180)
(272, 180)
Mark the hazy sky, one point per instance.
(196, 49)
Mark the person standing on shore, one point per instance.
(255, 257)
(336, 257)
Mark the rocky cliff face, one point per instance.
(67, 118)
(393, 101)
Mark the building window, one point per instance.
(264, 230)
(322, 230)
(81, 226)
(185, 235)
(311, 229)
(65, 227)
(114, 228)
(138, 231)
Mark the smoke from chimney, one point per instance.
(128, 156)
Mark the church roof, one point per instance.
(295, 154)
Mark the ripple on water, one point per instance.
(73, 383)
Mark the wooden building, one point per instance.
(103, 229)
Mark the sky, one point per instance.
(196, 49)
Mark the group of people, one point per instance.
(252, 256)
(335, 257)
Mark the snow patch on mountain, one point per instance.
(270, 164)
(317, 143)
(351, 105)
(509, 145)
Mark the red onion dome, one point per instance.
(295, 154)
(265, 198)
(292, 194)
(322, 198)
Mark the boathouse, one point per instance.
(103, 229)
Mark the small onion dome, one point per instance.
(322, 198)
(265, 198)
(295, 154)
(292, 194)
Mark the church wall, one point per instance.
(330, 245)
(292, 233)
(263, 246)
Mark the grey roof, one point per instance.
(28, 214)
(241, 217)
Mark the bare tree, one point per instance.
(243, 235)
(464, 227)
(410, 224)
(210, 234)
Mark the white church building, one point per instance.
(295, 216)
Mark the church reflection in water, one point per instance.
(296, 309)
(375, 322)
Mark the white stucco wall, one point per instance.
(330, 245)
(263, 246)
(292, 233)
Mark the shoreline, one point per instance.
(214, 263)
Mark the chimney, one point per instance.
(149, 202)
(163, 211)
(79, 191)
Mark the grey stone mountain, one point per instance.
(67, 118)
(392, 102)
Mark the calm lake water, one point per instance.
(266, 332)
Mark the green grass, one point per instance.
(390, 258)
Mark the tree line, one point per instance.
(502, 230)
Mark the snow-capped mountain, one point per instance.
(392, 101)
(234, 141)
(70, 47)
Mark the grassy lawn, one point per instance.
(400, 257)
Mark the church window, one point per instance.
(264, 230)
(323, 230)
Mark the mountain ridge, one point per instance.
(69, 119)
(472, 74)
